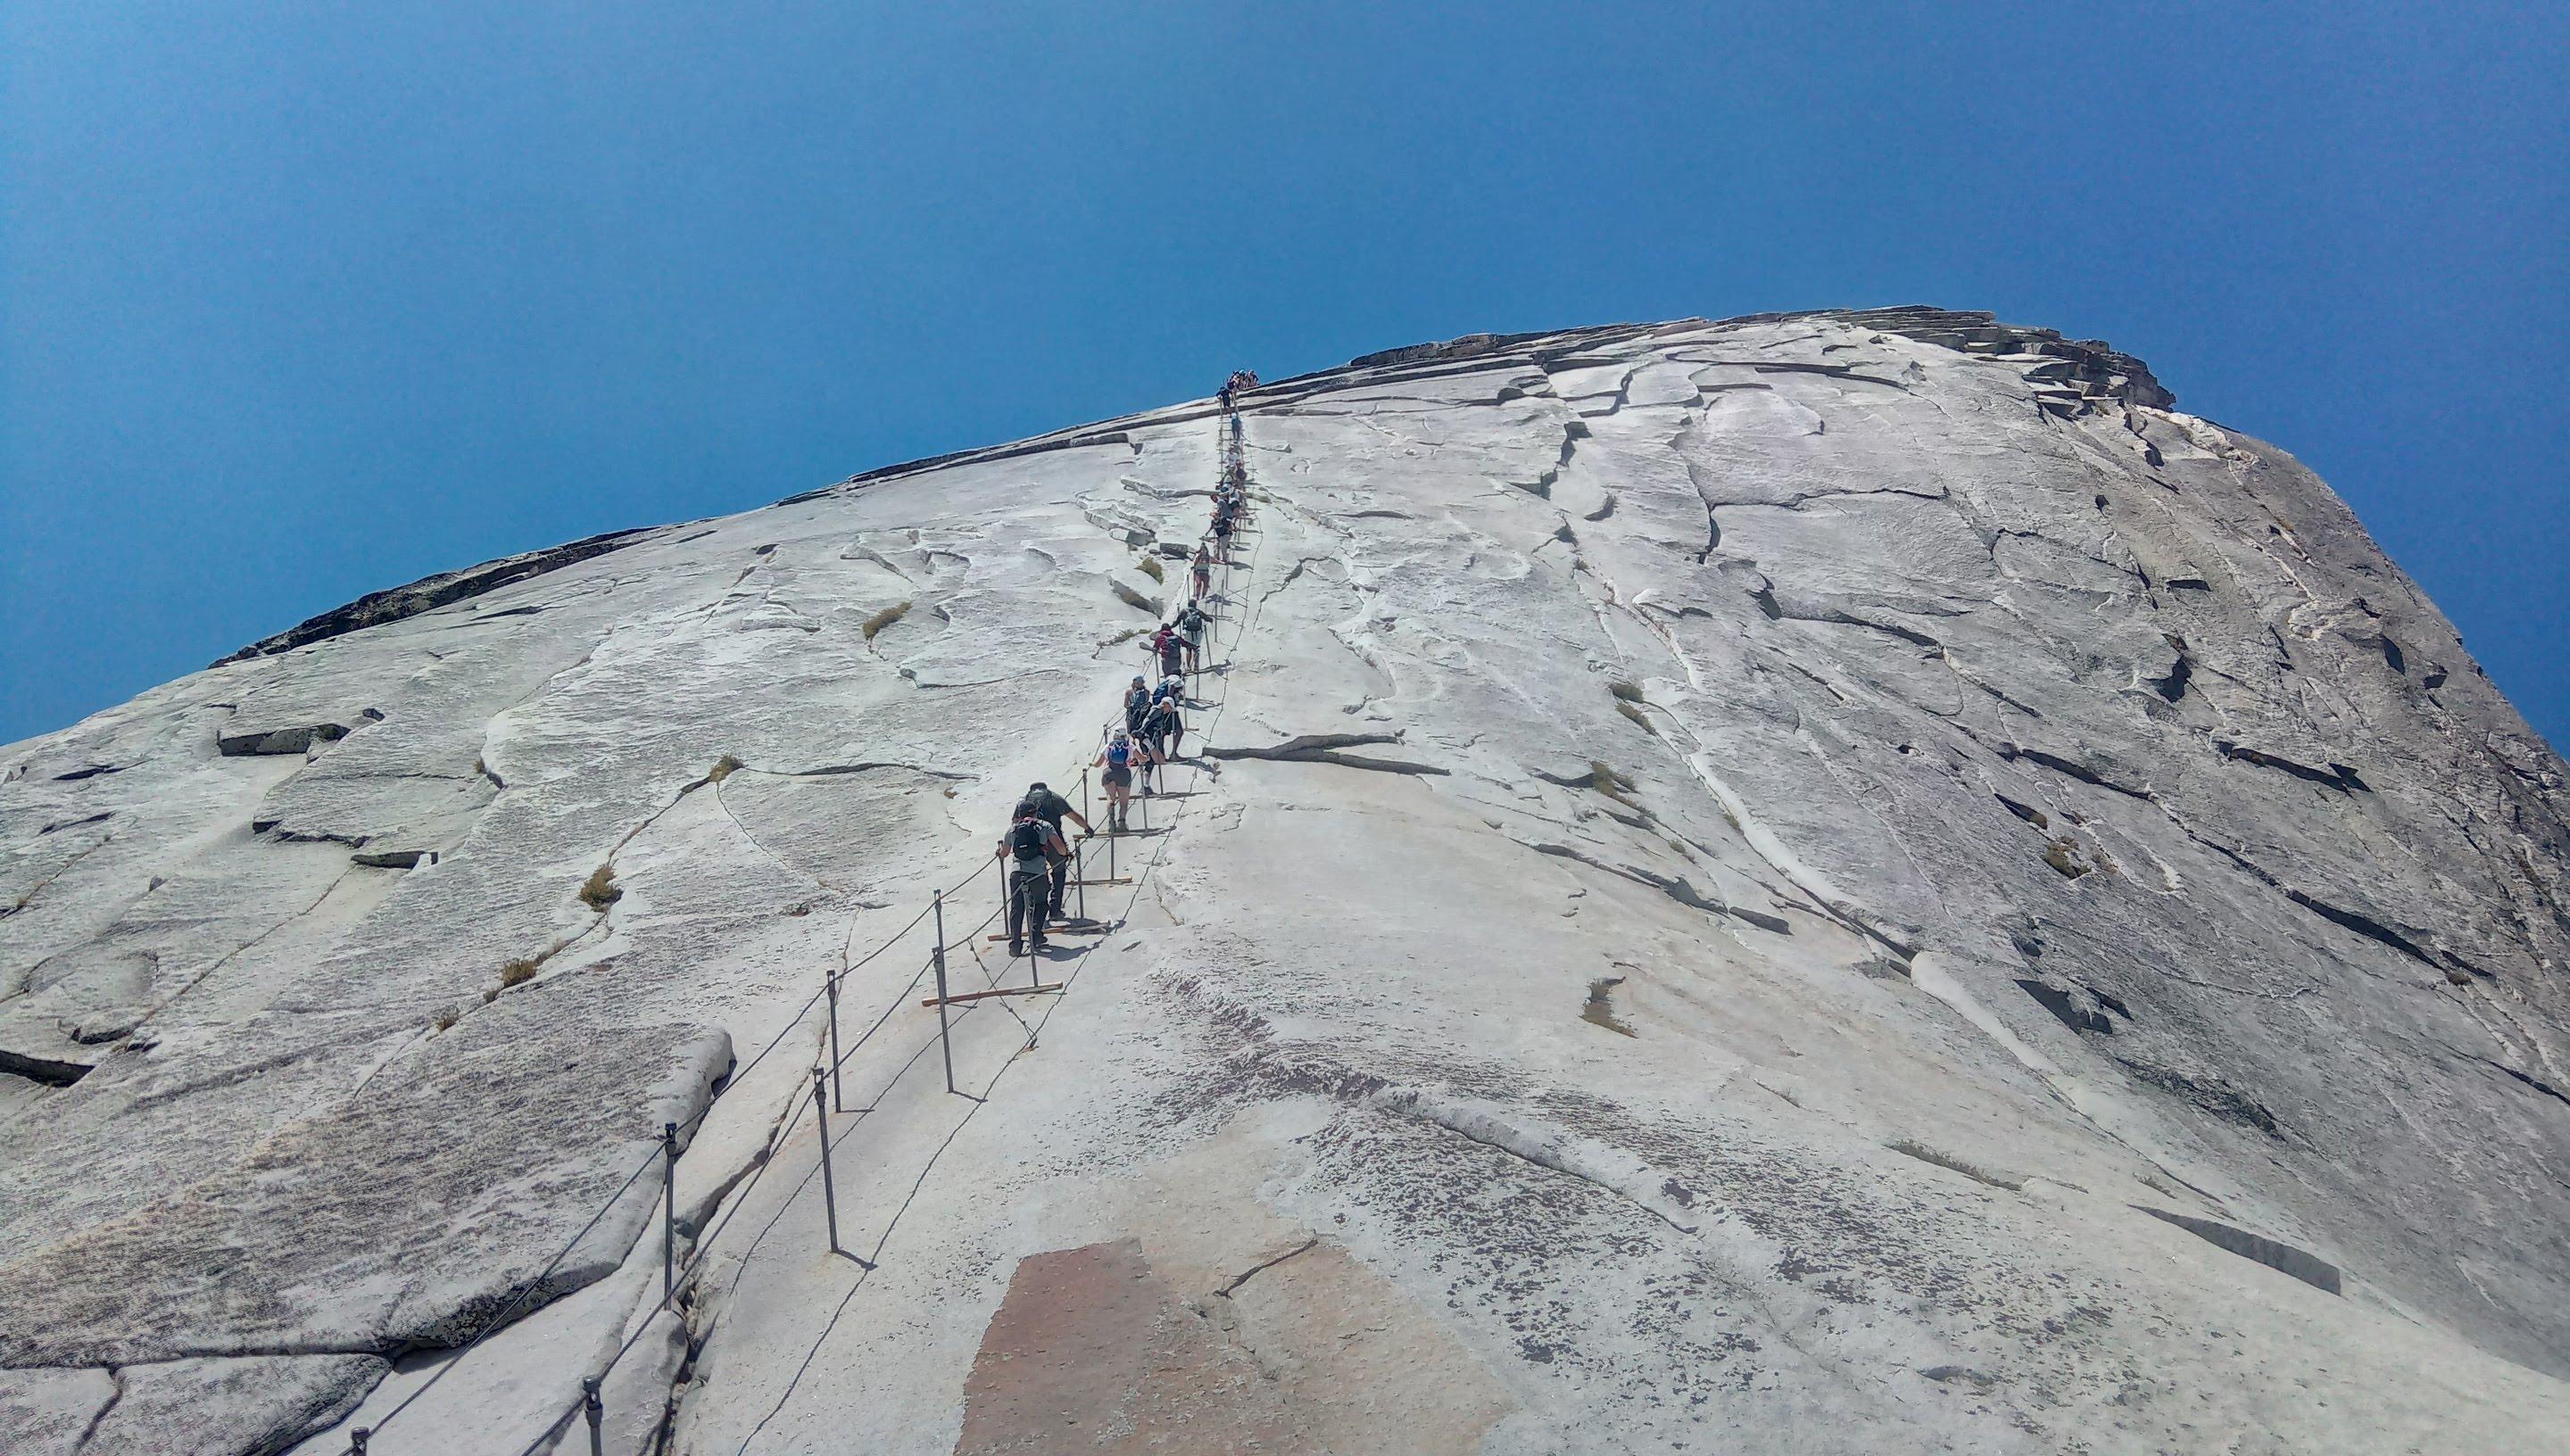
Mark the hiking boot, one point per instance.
(1017, 950)
(1041, 943)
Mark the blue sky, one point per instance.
(299, 301)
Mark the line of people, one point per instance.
(1035, 856)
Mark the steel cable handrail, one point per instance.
(499, 1320)
(737, 1199)
(1032, 1033)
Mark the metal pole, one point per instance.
(668, 1208)
(829, 1190)
(944, 1042)
(838, 1099)
(358, 1438)
(1079, 856)
(596, 1409)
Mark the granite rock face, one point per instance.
(1834, 882)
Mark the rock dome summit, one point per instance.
(1842, 881)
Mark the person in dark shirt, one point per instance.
(1028, 852)
(1160, 733)
(1137, 706)
(1053, 808)
(1191, 628)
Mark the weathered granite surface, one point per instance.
(1824, 882)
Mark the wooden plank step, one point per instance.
(996, 992)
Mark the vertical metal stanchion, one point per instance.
(595, 1407)
(944, 1043)
(668, 1208)
(829, 1190)
(838, 1099)
(357, 1440)
(1079, 860)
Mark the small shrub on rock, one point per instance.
(600, 891)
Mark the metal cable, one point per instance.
(738, 1199)
(501, 1319)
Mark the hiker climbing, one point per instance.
(1161, 731)
(1052, 807)
(1028, 853)
(1202, 571)
(1171, 696)
(1170, 652)
(1118, 758)
(1137, 706)
(1155, 744)
(1192, 628)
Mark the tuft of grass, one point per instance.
(723, 769)
(1911, 1147)
(2063, 855)
(598, 892)
(1612, 782)
(1600, 1008)
(1628, 699)
(883, 619)
(1153, 569)
(445, 1020)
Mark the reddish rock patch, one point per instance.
(1091, 1352)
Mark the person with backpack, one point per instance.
(1171, 694)
(1118, 758)
(1148, 755)
(1137, 706)
(1160, 733)
(1171, 652)
(1052, 807)
(1191, 628)
(1027, 854)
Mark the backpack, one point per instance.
(1119, 754)
(1027, 840)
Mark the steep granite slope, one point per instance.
(1820, 883)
